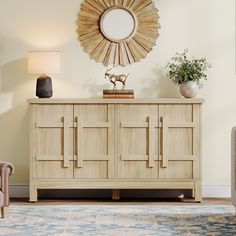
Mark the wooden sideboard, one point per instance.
(115, 144)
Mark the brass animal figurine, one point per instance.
(116, 78)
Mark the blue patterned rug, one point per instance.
(125, 220)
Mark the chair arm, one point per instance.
(4, 164)
(6, 169)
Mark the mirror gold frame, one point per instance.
(118, 52)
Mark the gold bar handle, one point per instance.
(80, 142)
(151, 139)
(165, 141)
(66, 138)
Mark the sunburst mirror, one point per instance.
(118, 32)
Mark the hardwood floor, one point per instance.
(206, 201)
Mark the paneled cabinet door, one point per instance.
(137, 141)
(94, 141)
(53, 141)
(179, 141)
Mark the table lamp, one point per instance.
(44, 63)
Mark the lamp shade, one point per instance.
(44, 62)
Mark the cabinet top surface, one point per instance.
(115, 101)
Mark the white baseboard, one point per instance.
(216, 191)
(19, 191)
(209, 191)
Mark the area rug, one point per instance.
(125, 220)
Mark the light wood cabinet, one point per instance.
(115, 144)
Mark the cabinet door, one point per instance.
(52, 141)
(94, 141)
(137, 141)
(179, 141)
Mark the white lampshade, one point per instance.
(44, 62)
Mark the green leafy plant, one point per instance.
(183, 69)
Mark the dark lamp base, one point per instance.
(44, 87)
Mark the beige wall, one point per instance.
(206, 27)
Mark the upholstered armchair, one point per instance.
(6, 169)
(233, 166)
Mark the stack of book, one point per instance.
(123, 93)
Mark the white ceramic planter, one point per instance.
(189, 89)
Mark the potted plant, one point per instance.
(187, 73)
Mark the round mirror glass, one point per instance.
(117, 24)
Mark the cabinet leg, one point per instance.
(198, 191)
(193, 192)
(4, 212)
(33, 194)
(115, 194)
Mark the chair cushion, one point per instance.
(1, 199)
